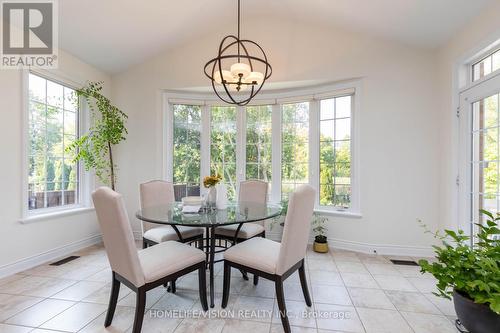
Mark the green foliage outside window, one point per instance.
(223, 146)
(187, 137)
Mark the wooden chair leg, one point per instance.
(113, 299)
(255, 279)
(303, 283)
(281, 304)
(202, 286)
(244, 275)
(172, 287)
(140, 307)
(226, 285)
(144, 244)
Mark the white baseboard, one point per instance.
(385, 249)
(51, 255)
(382, 249)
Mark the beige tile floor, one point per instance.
(352, 292)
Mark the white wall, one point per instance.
(399, 157)
(478, 33)
(19, 242)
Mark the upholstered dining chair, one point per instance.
(272, 260)
(156, 193)
(145, 269)
(250, 191)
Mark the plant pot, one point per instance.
(320, 247)
(476, 318)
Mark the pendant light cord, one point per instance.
(239, 31)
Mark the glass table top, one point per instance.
(241, 212)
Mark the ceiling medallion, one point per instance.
(247, 72)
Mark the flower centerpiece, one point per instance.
(210, 182)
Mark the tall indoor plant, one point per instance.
(95, 148)
(470, 274)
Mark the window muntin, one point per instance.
(486, 66)
(259, 143)
(294, 147)
(53, 178)
(485, 156)
(187, 146)
(223, 146)
(335, 152)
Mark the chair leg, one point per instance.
(226, 285)
(202, 286)
(113, 299)
(244, 275)
(281, 304)
(255, 279)
(172, 287)
(303, 283)
(140, 307)
(144, 244)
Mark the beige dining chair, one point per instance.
(277, 261)
(157, 193)
(250, 191)
(145, 269)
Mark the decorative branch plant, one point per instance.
(94, 148)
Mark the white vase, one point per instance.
(221, 201)
(212, 196)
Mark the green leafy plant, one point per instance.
(471, 270)
(319, 228)
(94, 148)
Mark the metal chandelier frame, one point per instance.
(216, 64)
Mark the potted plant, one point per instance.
(320, 241)
(470, 273)
(94, 148)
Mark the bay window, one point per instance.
(283, 141)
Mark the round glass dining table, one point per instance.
(235, 214)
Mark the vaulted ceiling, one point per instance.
(115, 34)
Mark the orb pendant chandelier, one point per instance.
(240, 69)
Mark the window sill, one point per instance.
(55, 214)
(338, 213)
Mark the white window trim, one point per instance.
(461, 81)
(85, 178)
(274, 98)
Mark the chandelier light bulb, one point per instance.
(240, 69)
(254, 77)
(226, 75)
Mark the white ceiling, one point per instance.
(115, 34)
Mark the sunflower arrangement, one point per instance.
(211, 181)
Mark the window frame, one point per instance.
(477, 60)
(276, 99)
(84, 178)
